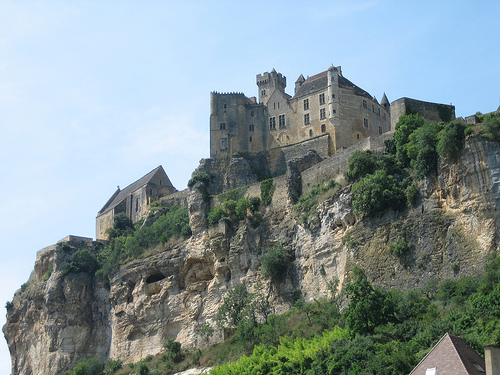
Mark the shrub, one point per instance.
(217, 214)
(360, 164)
(235, 195)
(267, 188)
(83, 260)
(412, 193)
(173, 350)
(275, 263)
(9, 305)
(492, 125)
(451, 139)
(241, 208)
(202, 177)
(233, 308)
(377, 192)
(400, 247)
(91, 366)
(206, 332)
(406, 125)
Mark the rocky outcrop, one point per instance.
(58, 319)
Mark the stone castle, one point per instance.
(325, 104)
(327, 114)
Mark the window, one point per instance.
(223, 144)
(323, 128)
(252, 113)
(250, 139)
(357, 135)
(282, 121)
(136, 204)
(306, 119)
(322, 113)
(225, 106)
(321, 99)
(263, 93)
(306, 104)
(365, 105)
(333, 96)
(334, 111)
(379, 130)
(274, 105)
(222, 126)
(251, 128)
(310, 133)
(272, 123)
(365, 122)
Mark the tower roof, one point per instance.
(300, 79)
(384, 102)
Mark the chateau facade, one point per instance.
(324, 104)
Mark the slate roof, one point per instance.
(319, 82)
(451, 356)
(120, 195)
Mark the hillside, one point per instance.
(436, 221)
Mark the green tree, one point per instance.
(491, 124)
(275, 263)
(377, 192)
(233, 308)
(406, 125)
(173, 350)
(451, 139)
(368, 307)
(360, 164)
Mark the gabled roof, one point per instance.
(319, 82)
(451, 356)
(120, 195)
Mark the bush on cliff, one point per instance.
(377, 192)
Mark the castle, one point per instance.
(325, 104)
(328, 113)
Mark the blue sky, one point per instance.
(95, 94)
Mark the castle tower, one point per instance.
(268, 83)
(333, 103)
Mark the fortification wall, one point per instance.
(279, 157)
(433, 112)
(336, 165)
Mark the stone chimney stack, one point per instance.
(492, 360)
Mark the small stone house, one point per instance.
(134, 200)
(452, 356)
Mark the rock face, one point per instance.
(58, 320)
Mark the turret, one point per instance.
(299, 82)
(268, 83)
(385, 102)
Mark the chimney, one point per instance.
(492, 360)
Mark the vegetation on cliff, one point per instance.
(379, 332)
(127, 242)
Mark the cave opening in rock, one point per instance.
(154, 278)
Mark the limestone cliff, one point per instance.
(58, 319)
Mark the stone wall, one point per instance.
(429, 111)
(279, 157)
(332, 167)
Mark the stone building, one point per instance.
(324, 104)
(134, 200)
